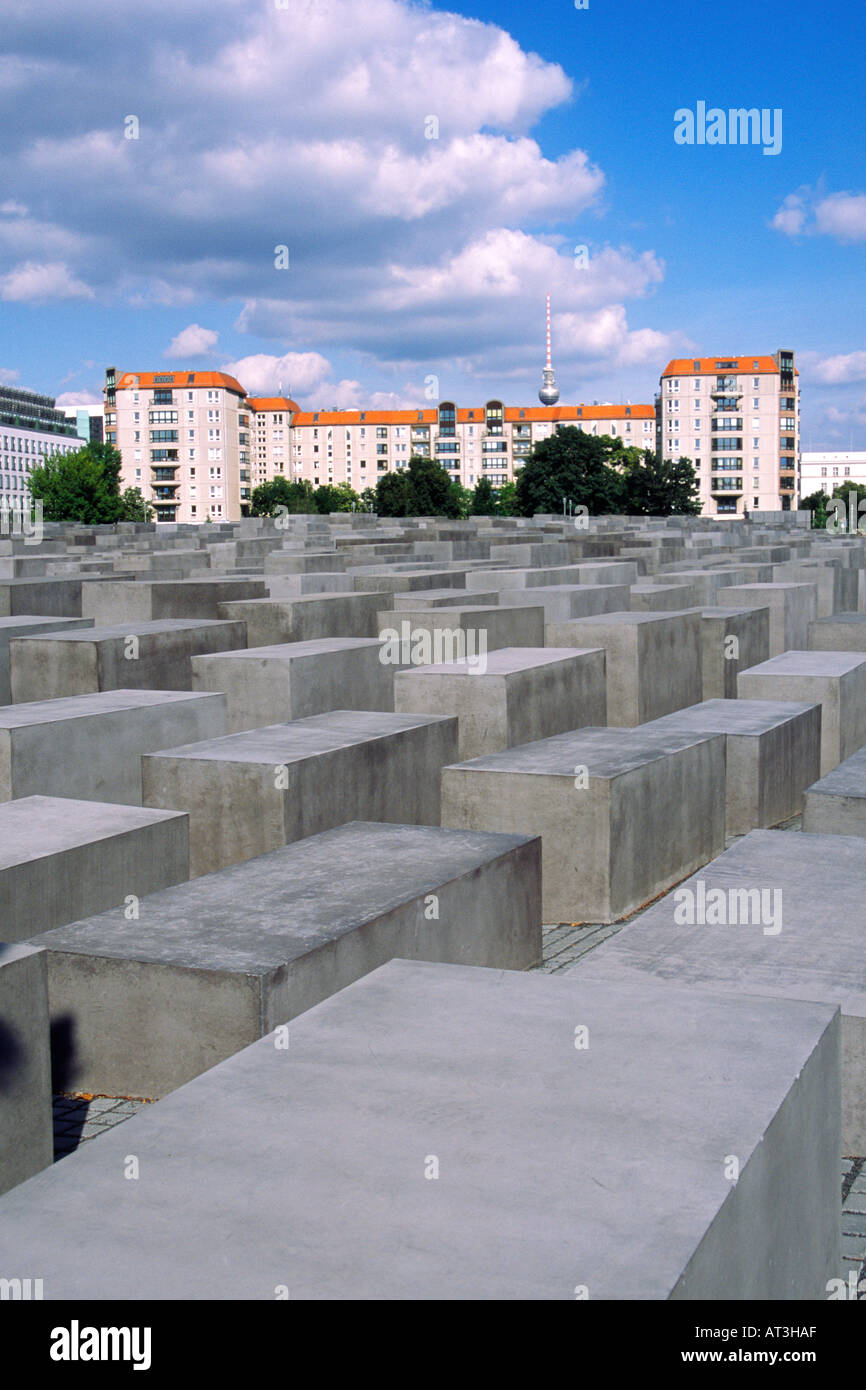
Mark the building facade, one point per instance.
(185, 441)
(359, 446)
(738, 420)
(824, 472)
(31, 430)
(88, 421)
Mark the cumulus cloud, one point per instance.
(9, 375)
(33, 282)
(193, 341)
(841, 369)
(390, 147)
(72, 398)
(812, 212)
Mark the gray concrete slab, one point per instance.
(273, 685)
(212, 965)
(623, 813)
(562, 602)
(61, 859)
(732, 640)
(844, 632)
(307, 617)
(792, 607)
(89, 747)
(773, 752)
(433, 636)
(785, 921)
(836, 805)
(252, 792)
(836, 680)
(135, 656)
(149, 600)
(384, 1177)
(26, 1142)
(653, 660)
(523, 694)
(26, 626)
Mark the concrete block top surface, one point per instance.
(265, 912)
(734, 716)
(305, 1167)
(97, 703)
(604, 752)
(719, 612)
(505, 661)
(303, 738)
(808, 663)
(849, 619)
(816, 954)
(286, 651)
(34, 827)
(155, 627)
(848, 779)
(629, 618)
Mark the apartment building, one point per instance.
(358, 446)
(738, 420)
(185, 441)
(827, 471)
(31, 430)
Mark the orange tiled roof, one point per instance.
(475, 415)
(272, 403)
(685, 366)
(148, 380)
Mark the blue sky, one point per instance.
(419, 254)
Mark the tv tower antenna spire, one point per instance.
(549, 392)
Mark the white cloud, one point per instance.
(262, 373)
(193, 341)
(841, 369)
(815, 213)
(32, 282)
(9, 375)
(72, 398)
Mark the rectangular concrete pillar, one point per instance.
(844, 632)
(424, 1070)
(732, 640)
(208, 967)
(653, 660)
(273, 685)
(792, 607)
(255, 791)
(778, 915)
(431, 636)
(773, 752)
(110, 602)
(61, 859)
(562, 602)
(27, 1131)
(836, 805)
(136, 656)
(836, 680)
(623, 813)
(89, 747)
(25, 627)
(521, 694)
(307, 618)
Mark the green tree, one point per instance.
(483, 501)
(654, 487)
(135, 507)
(82, 485)
(393, 494)
(506, 499)
(339, 498)
(368, 499)
(570, 464)
(816, 503)
(269, 498)
(430, 489)
(459, 500)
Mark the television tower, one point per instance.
(549, 392)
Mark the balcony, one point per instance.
(725, 485)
